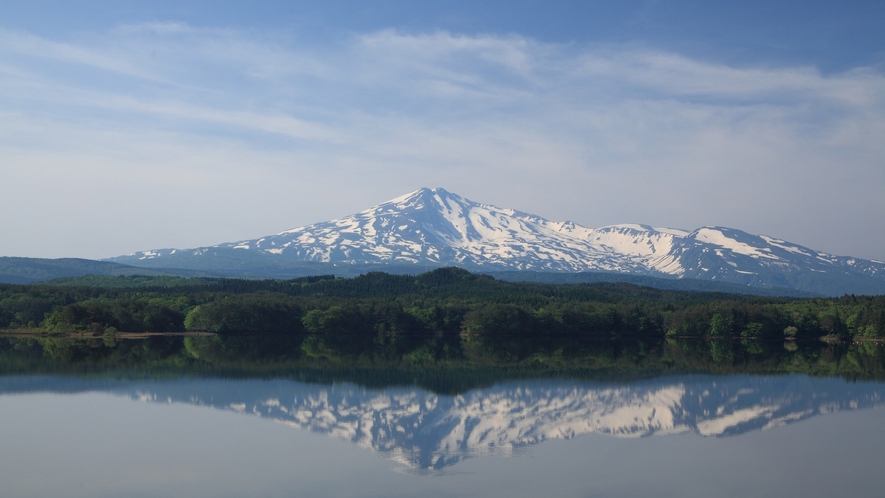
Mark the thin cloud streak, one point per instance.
(298, 133)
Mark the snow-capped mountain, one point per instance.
(438, 228)
(425, 430)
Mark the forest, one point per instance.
(443, 302)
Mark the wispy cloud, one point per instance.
(34, 49)
(598, 134)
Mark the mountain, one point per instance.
(425, 430)
(432, 227)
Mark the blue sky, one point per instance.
(139, 125)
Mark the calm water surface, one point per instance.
(731, 436)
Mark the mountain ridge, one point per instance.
(434, 227)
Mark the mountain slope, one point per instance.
(433, 227)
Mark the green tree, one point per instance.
(719, 326)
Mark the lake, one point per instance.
(72, 427)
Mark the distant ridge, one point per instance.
(15, 270)
(85, 272)
(429, 228)
(676, 284)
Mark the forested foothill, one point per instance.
(446, 301)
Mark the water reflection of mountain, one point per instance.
(427, 430)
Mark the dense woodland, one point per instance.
(444, 302)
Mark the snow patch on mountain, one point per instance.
(719, 238)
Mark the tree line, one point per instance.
(446, 301)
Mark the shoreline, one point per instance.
(92, 335)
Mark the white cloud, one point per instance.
(264, 132)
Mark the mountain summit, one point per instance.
(434, 227)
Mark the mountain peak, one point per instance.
(421, 193)
(423, 198)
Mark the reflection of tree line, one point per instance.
(444, 363)
(443, 302)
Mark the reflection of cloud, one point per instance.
(599, 134)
